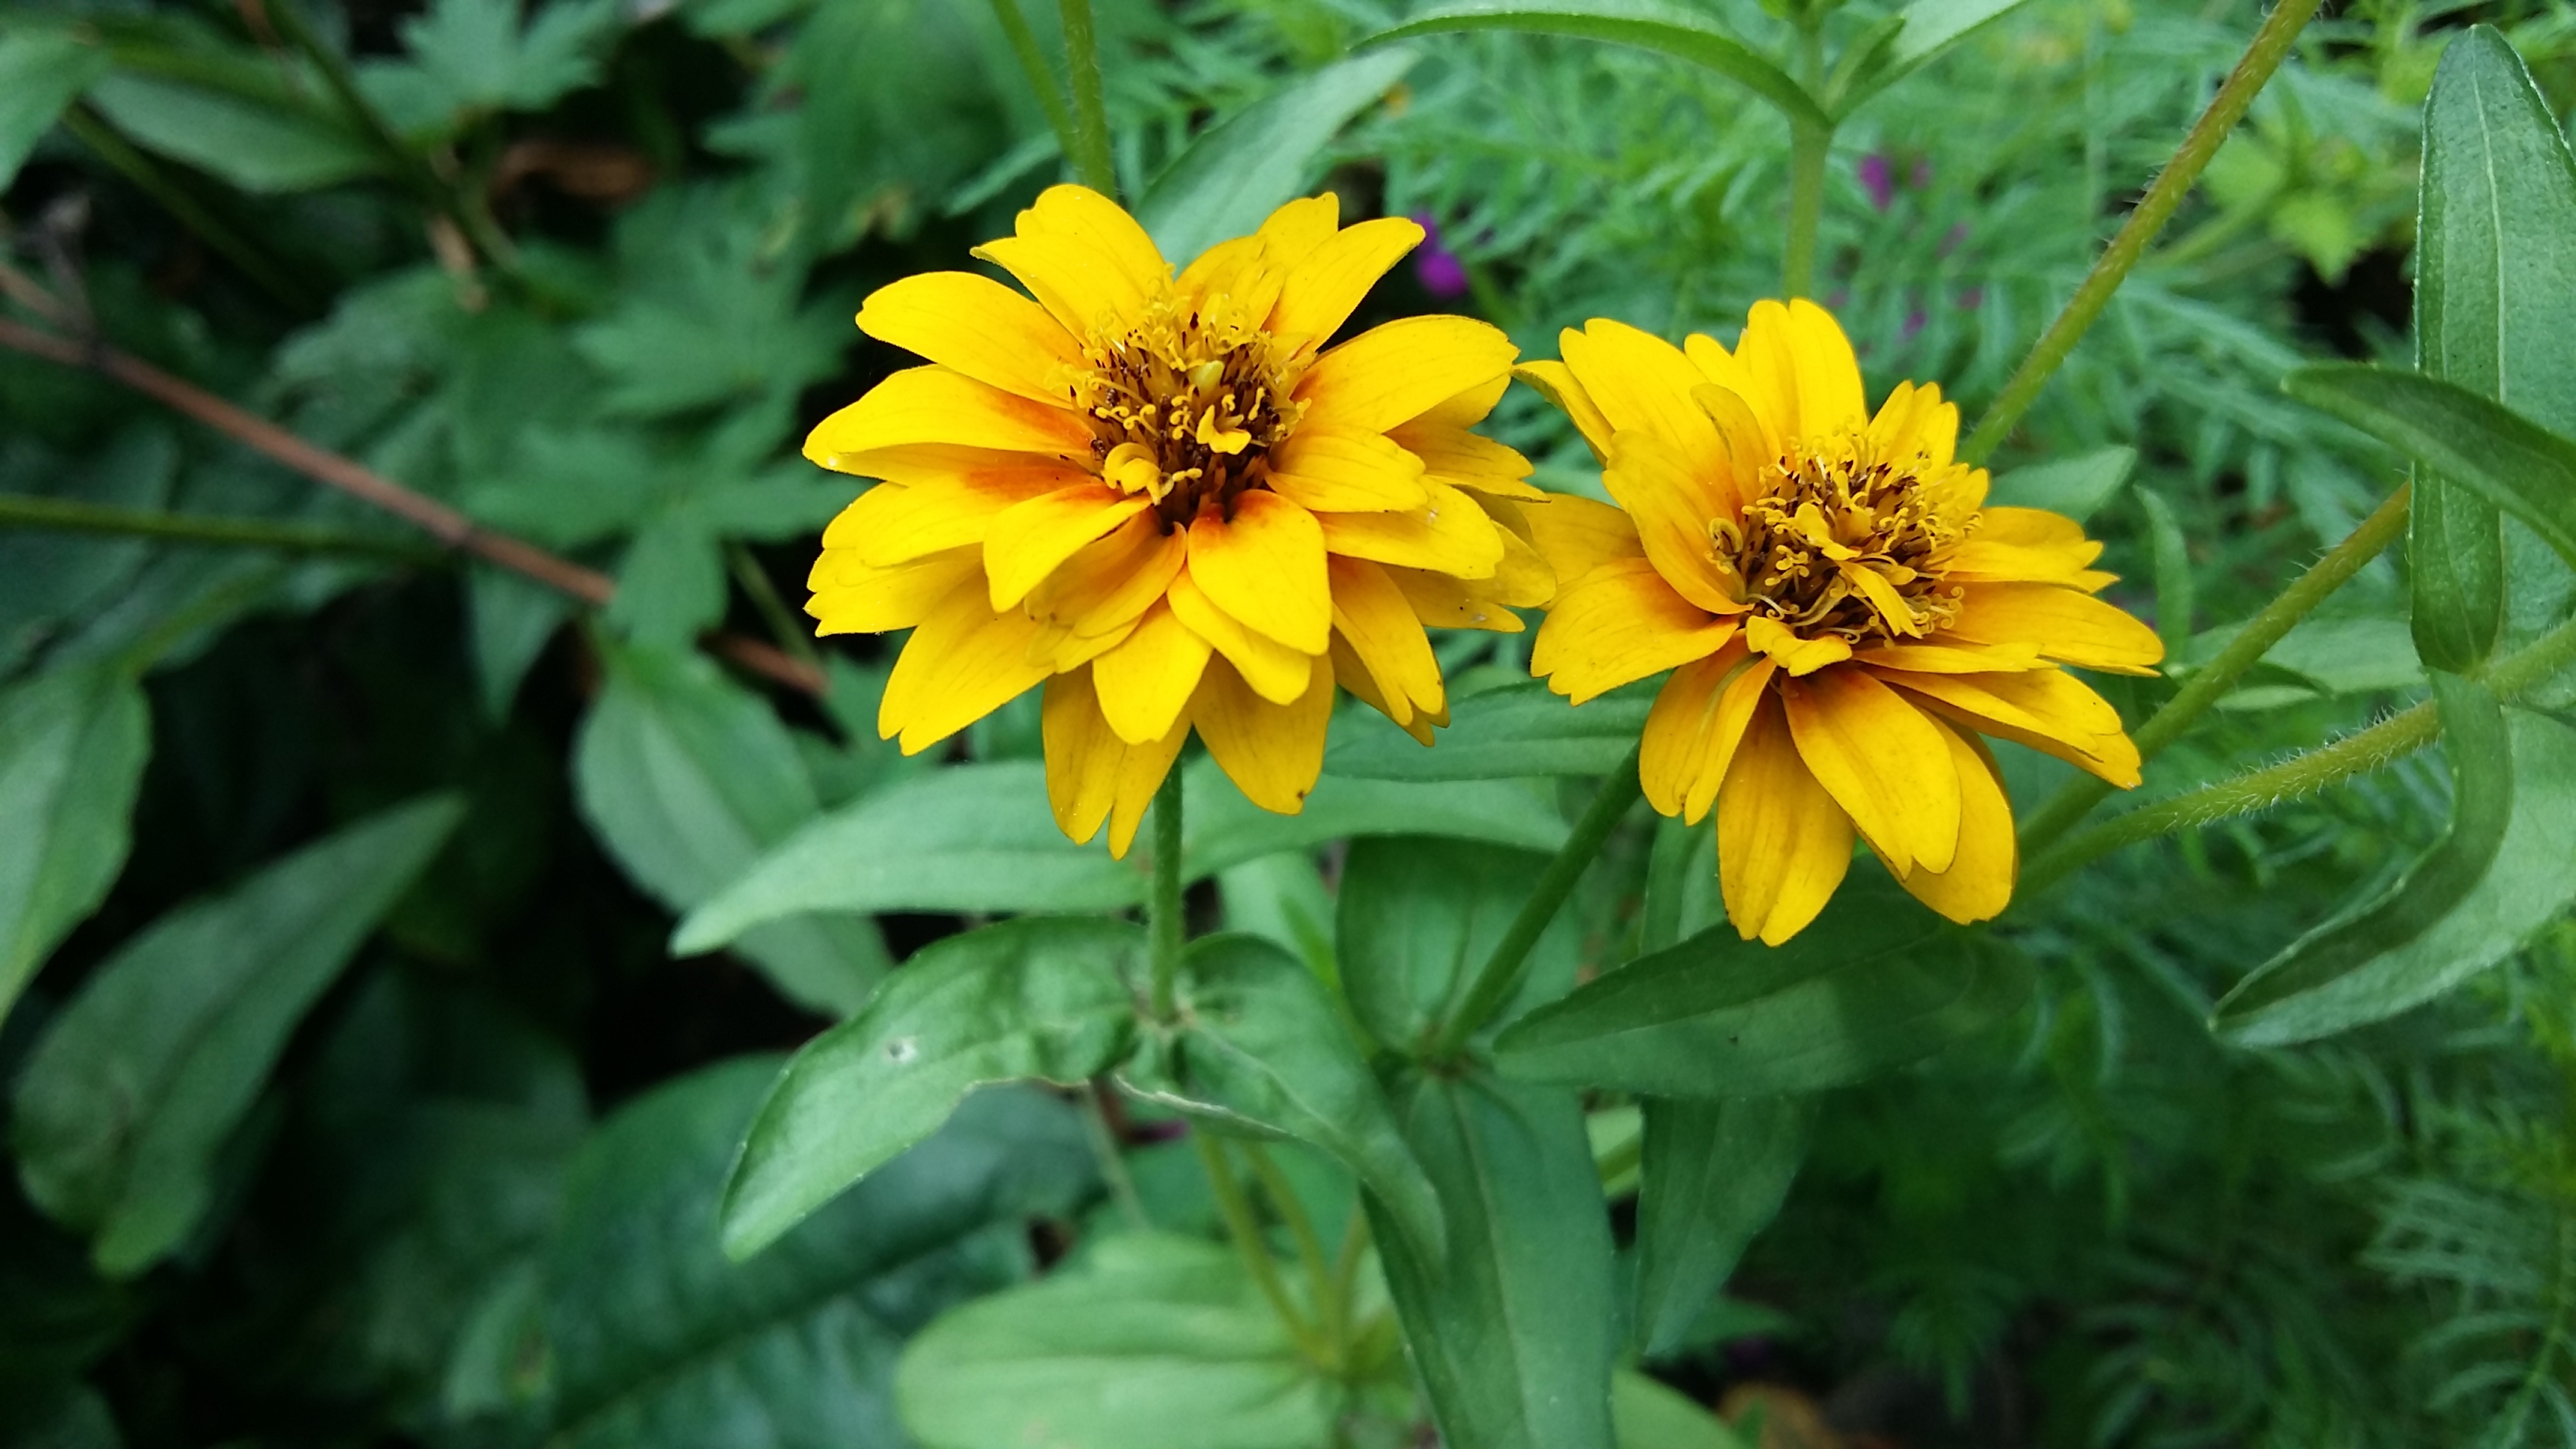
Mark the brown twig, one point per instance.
(439, 521)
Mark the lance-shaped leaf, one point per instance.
(2495, 251)
(1260, 1047)
(2506, 868)
(41, 71)
(1664, 29)
(1922, 32)
(2503, 457)
(1712, 1175)
(1417, 921)
(1040, 998)
(133, 1093)
(2074, 486)
(1513, 732)
(1222, 829)
(1879, 982)
(72, 748)
(1257, 159)
(1511, 1327)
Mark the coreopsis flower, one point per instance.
(1165, 500)
(1843, 614)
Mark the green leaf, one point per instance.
(1877, 982)
(1649, 1415)
(1234, 174)
(1930, 27)
(41, 72)
(1682, 897)
(1261, 1047)
(136, 1087)
(1664, 29)
(2501, 456)
(510, 618)
(1223, 829)
(687, 778)
(1510, 1328)
(2076, 487)
(2173, 575)
(656, 1338)
(1045, 999)
(966, 838)
(254, 145)
(72, 747)
(2495, 245)
(1417, 920)
(472, 55)
(1713, 1174)
(1153, 1342)
(2506, 868)
(1513, 732)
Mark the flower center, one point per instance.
(1841, 544)
(1185, 405)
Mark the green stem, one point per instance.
(1310, 1248)
(2214, 680)
(2271, 45)
(1113, 1163)
(765, 601)
(1236, 1210)
(1024, 45)
(1163, 917)
(268, 275)
(1500, 976)
(1091, 164)
(1809, 145)
(66, 515)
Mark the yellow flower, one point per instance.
(1842, 614)
(1162, 498)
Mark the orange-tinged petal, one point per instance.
(1783, 845)
(1884, 762)
(1030, 540)
(1798, 656)
(2068, 626)
(1449, 535)
(1951, 658)
(1091, 773)
(1265, 566)
(962, 663)
(1146, 682)
(1641, 383)
(1399, 370)
(851, 597)
(889, 524)
(1109, 583)
(1556, 382)
(1084, 259)
(1325, 286)
(1672, 508)
(1371, 613)
(978, 327)
(1346, 472)
(2047, 709)
(1444, 601)
(1463, 459)
(1577, 535)
(1979, 883)
(1619, 624)
(1271, 750)
(1352, 673)
(936, 405)
(1275, 671)
(1689, 736)
(1746, 444)
(1746, 415)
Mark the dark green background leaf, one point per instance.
(72, 749)
(1260, 158)
(1512, 732)
(1417, 920)
(1713, 1174)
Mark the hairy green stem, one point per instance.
(1024, 45)
(1310, 1248)
(65, 515)
(1091, 164)
(2206, 687)
(1500, 976)
(1236, 1210)
(1163, 914)
(1808, 147)
(266, 273)
(2271, 45)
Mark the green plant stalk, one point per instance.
(1236, 1210)
(1024, 45)
(2271, 45)
(1500, 976)
(1163, 916)
(2303, 775)
(1090, 152)
(772, 609)
(1113, 1164)
(1809, 146)
(2205, 688)
(1320, 1279)
(63, 515)
(268, 275)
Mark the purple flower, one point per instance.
(1438, 268)
(1879, 179)
(1914, 320)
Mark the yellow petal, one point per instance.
(912, 464)
(2066, 624)
(1346, 472)
(1371, 613)
(1642, 383)
(851, 597)
(891, 525)
(935, 405)
(1449, 535)
(1108, 584)
(1798, 656)
(1399, 370)
(1619, 624)
(1783, 845)
(1329, 283)
(1271, 750)
(1951, 658)
(1746, 445)
(1883, 761)
(1145, 682)
(1829, 387)
(1292, 232)
(1743, 413)
(1444, 601)
(1352, 673)
(1091, 773)
(963, 662)
(1028, 541)
(1577, 535)
(1265, 566)
(1979, 883)
(1277, 672)
(1556, 382)
(1691, 733)
(2047, 709)
(1085, 260)
(978, 327)
(1915, 424)
(1672, 509)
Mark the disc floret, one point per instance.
(1185, 404)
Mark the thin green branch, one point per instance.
(1310, 1248)
(1113, 1163)
(1808, 148)
(1500, 977)
(1090, 152)
(1163, 917)
(1236, 1210)
(65, 515)
(2212, 682)
(2271, 45)
(792, 637)
(265, 272)
(1033, 64)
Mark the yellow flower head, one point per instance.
(1842, 614)
(1162, 498)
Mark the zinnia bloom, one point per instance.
(1164, 500)
(1843, 615)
